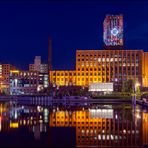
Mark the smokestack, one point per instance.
(49, 54)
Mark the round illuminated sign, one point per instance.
(114, 31)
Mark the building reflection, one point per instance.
(12, 116)
(145, 127)
(102, 127)
(95, 126)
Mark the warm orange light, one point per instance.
(14, 125)
(0, 123)
(14, 71)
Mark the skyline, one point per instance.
(71, 25)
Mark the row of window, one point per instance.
(110, 55)
(108, 59)
(103, 73)
(107, 69)
(64, 74)
(108, 64)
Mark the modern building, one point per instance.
(113, 30)
(23, 82)
(38, 66)
(27, 82)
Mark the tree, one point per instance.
(128, 86)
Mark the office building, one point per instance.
(114, 66)
(23, 82)
(104, 66)
(38, 66)
(27, 82)
(63, 77)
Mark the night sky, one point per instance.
(25, 27)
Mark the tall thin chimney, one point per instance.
(49, 54)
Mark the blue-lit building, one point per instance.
(27, 83)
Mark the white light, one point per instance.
(99, 137)
(124, 131)
(138, 116)
(46, 112)
(38, 88)
(15, 114)
(38, 108)
(116, 116)
(112, 138)
(114, 31)
(107, 137)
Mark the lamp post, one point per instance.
(135, 89)
(136, 85)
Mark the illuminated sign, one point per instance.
(101, 87)
(113, 30)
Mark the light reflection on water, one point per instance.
(77, 126)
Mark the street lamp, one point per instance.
(137, 84)
(135, 88)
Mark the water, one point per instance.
(81, 125)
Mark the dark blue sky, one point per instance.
(25, 27)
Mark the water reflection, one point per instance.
(98, 125)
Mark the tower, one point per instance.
(37, 63)
(49, 54)
(113, 31)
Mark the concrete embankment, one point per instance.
(45, 100)
(50, 100)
